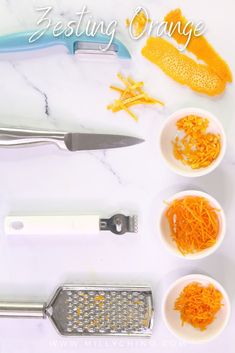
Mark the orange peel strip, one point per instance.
(129, 112)
(131, 95)
(117, 89)
(182, 68)
(199, 46)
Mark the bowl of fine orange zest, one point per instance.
(192, 224)
(192, 142)
(130, 94)
(196, 308)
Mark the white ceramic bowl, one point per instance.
(165, 228)
(169, 132)
(188, 332)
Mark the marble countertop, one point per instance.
(58, 91)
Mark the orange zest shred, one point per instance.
(199, 46)
(197, 148)
(132, 94)
(198, 304)
(194, 224)
(139, 23)
(182, 68)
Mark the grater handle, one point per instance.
(24, 309)
(52, 225)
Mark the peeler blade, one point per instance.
(120, 224)
(102, 310)
(94, 48)
(98, 46)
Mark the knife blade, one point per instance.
(72, 141)
(79, 141)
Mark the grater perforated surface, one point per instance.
(102, 311)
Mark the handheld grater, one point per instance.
(92, 310)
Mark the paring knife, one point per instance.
(72, 141)
(19, 42)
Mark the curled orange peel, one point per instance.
(182, 68)
(209, 78)
(199, 46)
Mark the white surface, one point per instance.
(165, 232)
(59, 91)
(169, 132)
(187, 332)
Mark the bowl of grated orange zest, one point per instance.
(196, 308)
(192, 224)
(192, 142)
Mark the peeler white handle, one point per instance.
(52, 225)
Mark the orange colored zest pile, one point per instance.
(197, 148)
(194, 224)
(132, 94)
(198, 305)
(139, 23)
(208, 78)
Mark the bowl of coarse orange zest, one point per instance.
(192, 224)
(196, 308)
(192, 142)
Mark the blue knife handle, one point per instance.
(18, 42)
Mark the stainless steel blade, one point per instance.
(120, 224)
(92, 310)
(80, 141)
(102, 310)
(95, 48)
